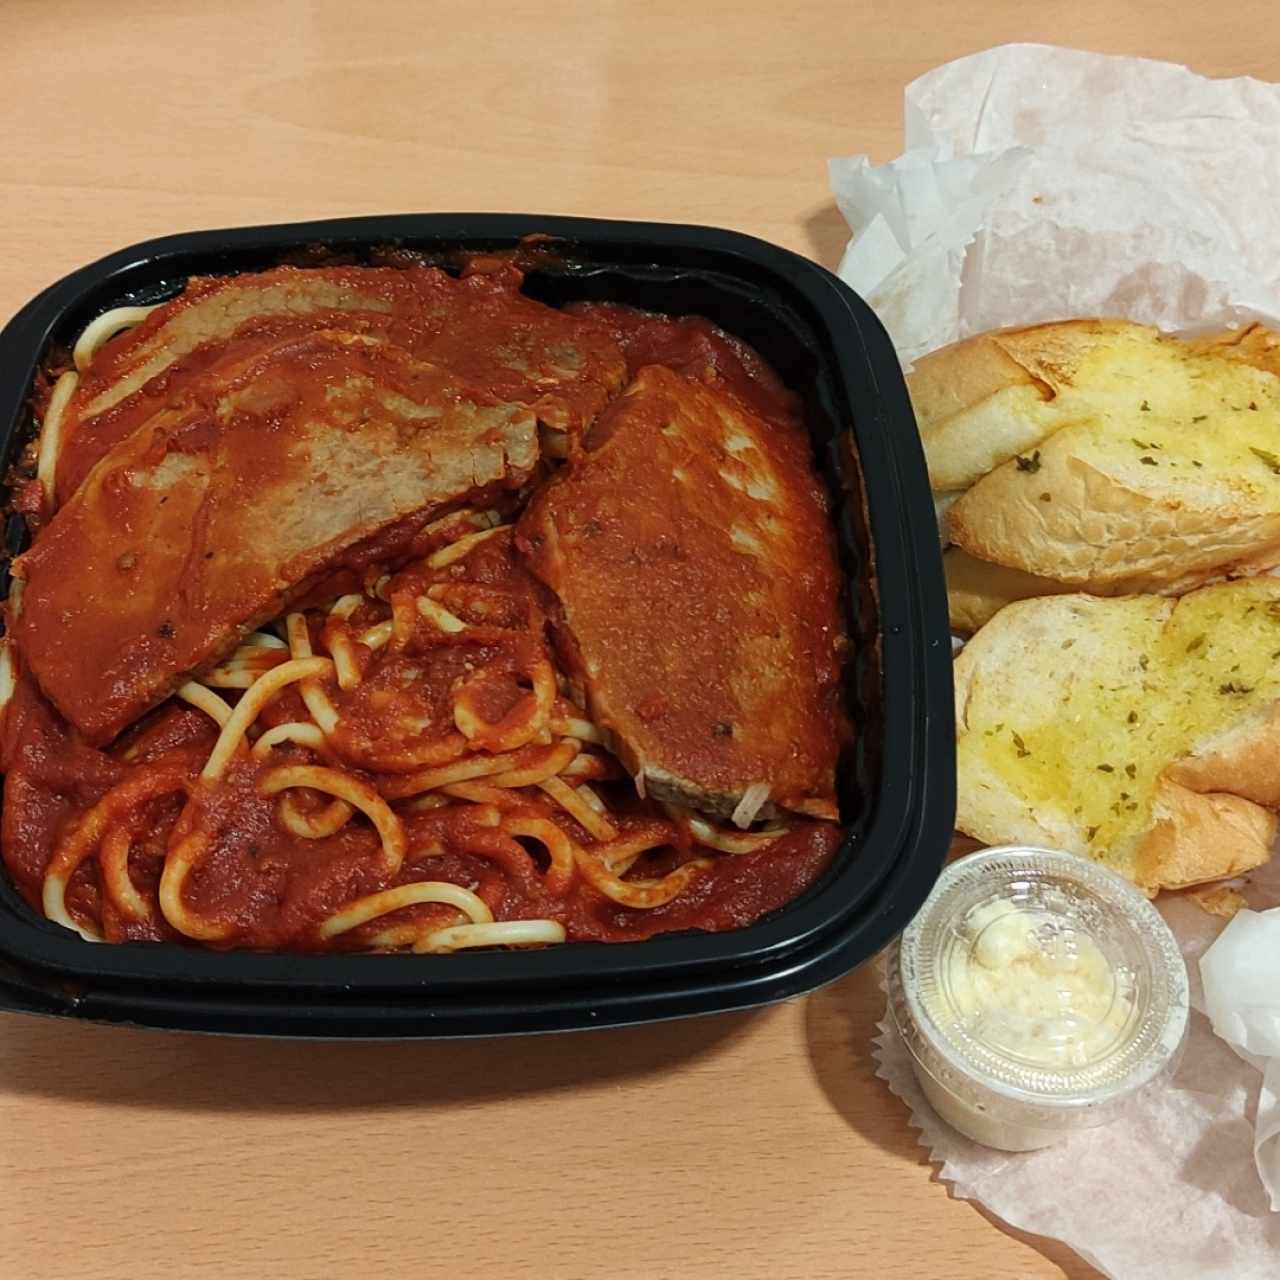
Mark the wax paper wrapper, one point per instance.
(1169, 1190)
(1241, 978)
(1041, 183)
(1038, 184)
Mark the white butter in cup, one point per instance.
(1037, 992)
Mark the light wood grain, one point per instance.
(747, 1146)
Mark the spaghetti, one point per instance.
(399, 768)
(375, 764)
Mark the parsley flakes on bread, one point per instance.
(1101, 456)
(1142, 732)
(1109, 497)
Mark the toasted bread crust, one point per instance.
(1255, 346)
(1125, 731)
(1104, 532)
(1200, 837)
(978, 590)
(957, 379)
(1107, 456)
(1247, 754)
(1146, 467)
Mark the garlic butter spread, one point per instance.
(1033, 987)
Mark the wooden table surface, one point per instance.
(749, 1145)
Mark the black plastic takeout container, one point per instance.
(897, 783)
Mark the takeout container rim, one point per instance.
(858, 906)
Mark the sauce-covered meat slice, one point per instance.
(693, 559)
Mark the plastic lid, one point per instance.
(1043, 977)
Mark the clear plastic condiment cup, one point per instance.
(1069, 1017)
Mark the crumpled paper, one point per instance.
(1040, 183)
(1170, 1189)
(1241, 978)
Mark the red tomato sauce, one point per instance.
(274, 889)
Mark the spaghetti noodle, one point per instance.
(322, 760)
(400, 768)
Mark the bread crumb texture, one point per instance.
(1142, 732)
